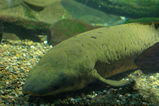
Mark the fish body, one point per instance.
(88, 57)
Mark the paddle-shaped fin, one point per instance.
(149, 59)
(114, 83)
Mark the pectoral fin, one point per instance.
(114, 83)
(149, 58)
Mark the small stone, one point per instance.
(1, 75)
(120, 96)
(128, 95)
(72, 99)
(104, 91)
(32, 47)
(7, 82)
(144, 103)
(152, 77)
(118, 101)
(120, 88)
(45, 42)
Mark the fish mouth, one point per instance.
(36, 94)
(30, 93)
(33, 91)
(28, 90)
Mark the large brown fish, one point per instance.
(90, 56)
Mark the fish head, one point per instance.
(52, 81)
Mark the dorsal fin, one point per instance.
(149, 59)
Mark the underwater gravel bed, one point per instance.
(18, 57)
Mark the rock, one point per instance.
(15, 28)
(30, 18)
(90, 15)
(11, 36)
(58, 9)
(67, 28)
(131, 8)
(4, 4)
(39, 3)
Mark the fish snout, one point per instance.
(29, 89)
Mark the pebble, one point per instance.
(1, 75)
(17, 59)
